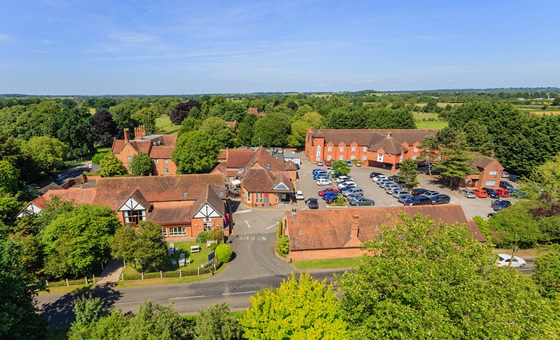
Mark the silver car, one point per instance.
(467, 193)
(402, 198)
(391, 188)
(385, 184)
(397, 193)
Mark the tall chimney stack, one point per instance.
(139, 132)
(355, 227)
(126, 134)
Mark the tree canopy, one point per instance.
(142, 246)
(272, 130)
(111, 166)
(195, 152)
(103, 127)
(141, 164)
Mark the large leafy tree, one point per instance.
(181, 111)
(111, 166)
(103, 127)
(429, 151)
(48, 153)
(158, 322)
(298, 132)
(195, 152)
(78, 241)
(440, 283)
(141, 164)
(18, 316)
(245, 130)
(147, 117)
(456, 163)
(272, 130)
(143, 246)
(9, 178)
(408, 173)
(304, 309)
(218, 130)
(478, 138)
(215, 323)
(73, 128)
(341, 167)
(547, 273)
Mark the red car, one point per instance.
(502, 192)
(328, 163)
(324, 191)
(480, 193)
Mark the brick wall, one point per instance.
(325, 254)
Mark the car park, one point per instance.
(312, 203)
(320, 175)
(316, 170)
(491, 192)
(500, 205)
(373, 174)
(348, 162)
(398, 192)
(333, 199)
(440, 199)
(299, 195)
(417, 200)
(514, 178)
(61, 177)
(346, 184)
(418, 191)
(324, 191)
(467, 193)
(386, 183)
(402, 198)
(505, 174)
(328, 163)
(323, 181)
(379, 178)
(505, 260)
(480, 193)
(352, 190)
(506, 185)
(341, 179)
(358, 164)
(391, 188)
(330, 194)
(430, 193)
(502, 192)
(361, 201)
(319, 163)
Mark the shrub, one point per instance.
(203, 237)
(213, 246)
(283, 245)
(223, 253)
(98, 157)
(279, 233)
(216, 234)
(483, 226)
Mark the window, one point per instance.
(329, 157)
(352, 157)
(163, 232)
(364, 157)
(415, 149)
(207, 226)
(177, 231)
(493, 173)
(490, 184)
(129, 159)
(165, 161)
(353, 149)
(340, 157)
(134, 216)
(341, 148)
(165, 170)
(365, 148)
(156, 161)
(329, 148)
(248, 196)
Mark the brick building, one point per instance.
(158, 147)
(374, 147)
(184, 205)
(489, 172)
(338, 233)
(263, 179)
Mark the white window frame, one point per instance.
(490, 184)
(165, 169)
(415, 149)
(129, 159)
(163, 232)
(329, 157)
(248, 196)
(364, 157)
(340, 158)
(352, 157)
(353, 149)
(136, 218)
(207, 226)
(165, 161)
(380, 157)
(341, 149)
(493, 173)
(177, 231)
(365, 148)
(156, 161)
(329, 148)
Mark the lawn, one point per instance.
(67, 289)
(166, 280)
(437, 125)
(166, 126)
(349, 262)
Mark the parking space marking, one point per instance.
(238, 293)
(248, 225)
(272, 226)
(243, 211)
(187, 297)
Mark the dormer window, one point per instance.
(134, 216)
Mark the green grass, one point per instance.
(67, 289)
(349, 262)
(166, 126)
(167, 280)
(437, 125)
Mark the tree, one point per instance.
(556, 100)
(147, 116)
(141, 164)
(408, 173)
(447, 136)
(218, 130)
(103, 127)
(314, 120)
(439, 282)
(272, 130)
(94, 322)
(157, 322)
(478, 138)
(73, 128)
(307, 309)
(122, 244)
(224, 253)
(245, 130)
(190, 124)
(195, 152)
(215, 323)
(181, 111)
(111, 166)
(150, 250)
(429, 149)
(48, 154)
(341, 167)
(544, 178)
(455, 164)
(9, 208)
(299, 131)
(9, 178)
(19, 317)
(78, 241)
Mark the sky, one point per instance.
(118, 47)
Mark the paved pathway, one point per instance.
(111, 273)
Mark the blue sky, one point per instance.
(185, 47)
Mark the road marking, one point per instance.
(128, 303)
(274, 225)
(251, 238)
(188, 297)
(238, 293)
(243, 211)
(248, 225)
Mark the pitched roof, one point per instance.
(480, 161)
(371, 136)
(179, 212)
(211, 197)
(238, 158)
(389, 145)
(138, 197)
(50, 186)
(263, 180)
(118, 145)
(161, 151)
(79, 196)
(329, 229)
(146, 145)
(264, 159)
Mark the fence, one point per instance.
(175, 273)
(85, 281)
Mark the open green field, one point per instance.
(165, 125)
(349, 262)
(428, 121)
(538, 109)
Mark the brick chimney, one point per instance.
(126, 134)
(355, 227)
(139, 132)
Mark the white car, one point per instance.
(344, 185)
(379, 178)
(299, 195)
(323, 181)
(504, 259)
(343, 178)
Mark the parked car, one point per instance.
(467, 193)
(398, 192)
(418, 191)
(312, 203)
(402, 198)
(502, 192)
(373, 174)
(361, 201)
(352, 190)
(341, 179)
(505, 174)
(506, 185)
(319, 163)
(517, 194)
(386, 183)
(430, 193)
(348, 162)
(330, 194)
(61, 177)
(320, 175)
(323, 181)
(333, 199)
(480, 193)
(346, 184)
(297, 166)
(391, 188)
(417, 200)
(328, 163)
(500, 205)
(440, 199)
(324, 191)
(505, 259)
(514, 178)
(316, 170)
(394, 178)
(379, 178)
(299, 195)
(491, 192)
(358, 163)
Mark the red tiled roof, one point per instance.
(180, 212)
(480, 161)
(330, 229)
(265, 160)
(209, 196)
(238, 158)
(161, 151)
(368, 137)
(118, 145)
(79, 196)
(389, 145)
(262, 180)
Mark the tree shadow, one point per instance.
(59, 313)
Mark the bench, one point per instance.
(183, 262)
(209, 243)
(195, 249)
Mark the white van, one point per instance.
(323, 181)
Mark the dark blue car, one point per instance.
(491, 192)
(330, 194)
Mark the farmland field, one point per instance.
(428, 121)
(165, 125)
